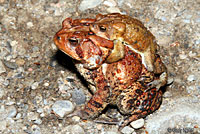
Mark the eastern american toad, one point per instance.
(113, 83)
(126, 31)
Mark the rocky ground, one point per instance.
(39, 86)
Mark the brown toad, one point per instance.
(112, 83)
(126, 31)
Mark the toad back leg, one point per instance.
(136, 103)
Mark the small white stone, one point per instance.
(46, 84)
(29, 24)
(62, 107)
(183, 56)
(40, 110)
(127, 130)
(42, 115)
(86, 4)
(170, 80)
(3, 125)
(34, 85)
(191, 54)
(32, 116)
(76, 118)
(2, 92)
(13, 43)
(78, 129)
(12, 111)
(36, 129)
(138, 123)
(110, 3)
(38, 121)
(2, 68)
(53, 46)
(75, 129)
(191, 78)
(18, 116)
(62, 72)
(113, 10)
(111, 132)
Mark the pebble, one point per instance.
(11, 111)
(76, 118)
(113, 10)
(170, 80)
(29, 24)
(46, 84)
(127, 130)
(138, 123)
(167, 94)
(20, 62)
(78, 96)
(191, 78)
(183, 56)
(35, 129)
(75, 129)
(38, 121)
(111, 132)
(3, 113)
(34, 85)
(62, 107)
(2, 92)
(78, 129)
(40, 110)
(120, 2)
(3, 125)
(86, 4)
(32, 116)
(110, 3)
(18, 116)
(11, 65)
(2, 68)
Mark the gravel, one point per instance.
(62, 107)
(137, 124)
(2, 68)
(39, 86)
(127, 130)
(78, 96)
(87, 4)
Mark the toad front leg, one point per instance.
(155, 79)
(98, 102)
(161, 72)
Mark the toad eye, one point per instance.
(102, 28)
(58, 38)
(73, 41)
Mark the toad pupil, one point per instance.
(102, 29)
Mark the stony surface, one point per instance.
(137, 124)
(127, 130)
(34, 76)
(62, 107)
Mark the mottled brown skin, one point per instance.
(82, 45)
(112, 83)
(124, 30)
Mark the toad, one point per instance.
(126, 31)
(112, 83)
